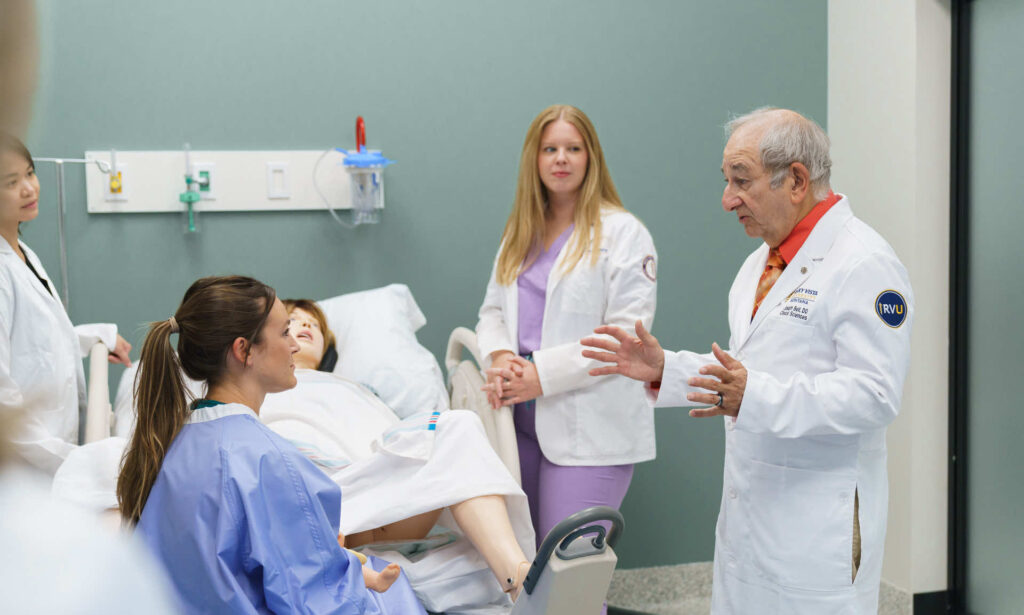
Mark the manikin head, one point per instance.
(315, 339)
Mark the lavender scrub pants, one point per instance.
(554, 491)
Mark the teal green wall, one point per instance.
(447, 89)
(995, 493)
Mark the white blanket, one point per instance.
(390, 470)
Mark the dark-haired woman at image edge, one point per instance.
(242, 521)
(41, 375)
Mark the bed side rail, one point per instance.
(98, 415)
(465, 378)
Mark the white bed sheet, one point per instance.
(390, 470)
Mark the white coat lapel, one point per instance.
(791, 279)
(557, 271)
(803, 264)
(744, 301)
(29, 277)
(21, 270)
(511, 293)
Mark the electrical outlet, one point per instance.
(207, 171)
(277, 181)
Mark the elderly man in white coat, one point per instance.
(820, 318)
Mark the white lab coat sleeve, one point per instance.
(30, 438)
(88, 335)
(679, 368)
(491, 330)
(863, 392)
(631, 295)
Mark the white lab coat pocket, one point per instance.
(801, 525)
(790, 343)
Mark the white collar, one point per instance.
(212, 413)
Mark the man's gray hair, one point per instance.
(790, 137)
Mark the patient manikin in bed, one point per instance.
(425, 479)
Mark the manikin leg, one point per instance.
(484, 520)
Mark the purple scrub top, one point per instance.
(533, 285)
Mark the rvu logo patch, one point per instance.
(891, 307)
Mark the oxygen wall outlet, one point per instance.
(206, 173)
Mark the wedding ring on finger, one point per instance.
(721, 401)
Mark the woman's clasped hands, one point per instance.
(511, 380)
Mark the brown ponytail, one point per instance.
(162, 411)
(213, 314)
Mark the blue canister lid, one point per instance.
(364, 159)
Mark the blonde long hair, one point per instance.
(525, 227)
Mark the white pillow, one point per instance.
(377, 347)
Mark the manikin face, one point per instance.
(305, 330)
(562, 159)
(19, 190)
(764, 212)
(273, 357)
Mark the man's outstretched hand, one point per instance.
(640, 358)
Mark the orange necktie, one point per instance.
(772, 270)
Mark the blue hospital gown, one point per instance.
(244, 523)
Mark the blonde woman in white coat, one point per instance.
(571, 257)
(42, 383)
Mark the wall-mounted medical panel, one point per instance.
(151, 181)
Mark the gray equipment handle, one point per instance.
(569, 529)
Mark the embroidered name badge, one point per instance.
(891, 307)
(650, 268)
(799, 303)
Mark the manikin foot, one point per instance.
(381, 581)
(514, 584)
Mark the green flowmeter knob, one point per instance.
(189, 196)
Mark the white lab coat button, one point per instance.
(730, 424)
(732, 493)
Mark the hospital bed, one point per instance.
(99, 415)
(573, 569)
(465, 380)
(575, 562)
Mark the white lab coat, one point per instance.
(825, 378)
(41, 375)
(582, 420)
